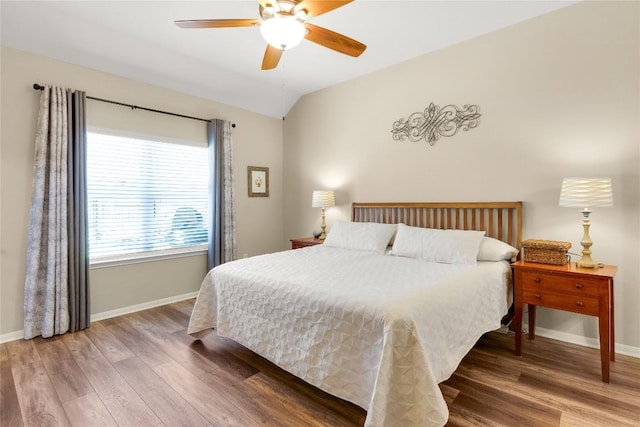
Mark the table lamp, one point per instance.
(586, 193)
(323, 199)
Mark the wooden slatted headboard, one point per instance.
(501, 220)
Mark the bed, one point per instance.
(383, 311)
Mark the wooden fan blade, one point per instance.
(271, 57)
(333, 40)
(318, 7)
(266, 3)
(217, 23)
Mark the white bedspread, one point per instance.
(377, 330)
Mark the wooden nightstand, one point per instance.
(303, 242)
(570, 288)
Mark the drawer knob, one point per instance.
(537, 296)
(579, 286)
(537, 280)
(580, 304)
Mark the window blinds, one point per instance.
(144, 196)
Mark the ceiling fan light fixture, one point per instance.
(283, 32)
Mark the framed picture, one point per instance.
(258, 180)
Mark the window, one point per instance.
(145, 198)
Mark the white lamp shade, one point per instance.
(586, 193)
(283, 32)
(323, 199)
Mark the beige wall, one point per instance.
(558, 97)
(257, 142)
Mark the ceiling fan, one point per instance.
(284, 24)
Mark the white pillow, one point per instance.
(364, 236)
(444, 246)
(495, 250)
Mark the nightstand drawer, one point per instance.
(577, 304)
(303, 242)
(560, 284)
(298, 245)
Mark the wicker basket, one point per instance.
(546, 251)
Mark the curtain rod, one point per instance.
(36, 86)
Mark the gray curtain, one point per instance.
(56, 282)
(222, 226)
(77, 213)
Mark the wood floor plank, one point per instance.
(137, 343)
(165, 402)
(23, 353)
(570, 379)
(160, 320)
(10, 415)
(179, 316)
(183, 354)
(462, 417)
(599, 390)
(558, 358)
(576, 419)
(39, 403)
(124, 404)
(498, 406)
(288, 407)
(111, 321)
(212, 403)
(188, 358)
(521, 390)
(88, 410)
(4, 354)
(185, 307)
(449, 393)
(508, 372)
(273, 406)
(65, 374)
(135, 319)
(236, 391)
(223, 359)
(220, 348)
(561, 388)
(110, 347)
(345, 409)
(626, 366)
(177, 349)
(81, 346)
(589, 401)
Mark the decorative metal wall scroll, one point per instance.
(435, 122)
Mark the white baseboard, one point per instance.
(139, 307)
(17, 335)
(627, 350)
(11, 336)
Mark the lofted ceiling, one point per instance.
(139, 40)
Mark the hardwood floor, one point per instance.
(143, 369)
